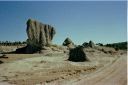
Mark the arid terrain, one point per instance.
(106, 67)
(63, 42)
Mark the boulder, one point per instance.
(78, 54)
(68, 42)
(85, 44)
(91, 44)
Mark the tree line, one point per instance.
(10, 43)
(117, 46)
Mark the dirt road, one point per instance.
(115, 74)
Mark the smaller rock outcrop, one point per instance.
(90, 44)
(68, 42)
(85, 44)
(78, 54)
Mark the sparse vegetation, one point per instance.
(100, 44)
(117, 46)
(10, 43)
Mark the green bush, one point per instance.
(117, 46)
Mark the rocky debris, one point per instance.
(78, 54)
(90, 44)
(68, 42)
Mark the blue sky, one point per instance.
(99, 21)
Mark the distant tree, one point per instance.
(9, 43)
(117, 46)
(24, 42)
(100, 44)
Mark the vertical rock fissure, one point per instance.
(39, 35)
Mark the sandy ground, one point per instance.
(54, 69)
(113, 74)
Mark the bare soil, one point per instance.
(55, 69)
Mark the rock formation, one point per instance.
(39, 35)
(85, 44)
(68, 42)
(90, 44)
(78, 54)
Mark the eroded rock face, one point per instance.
(78, 54)
(39, 36)
(39, 33)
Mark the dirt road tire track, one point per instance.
(115, 74)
